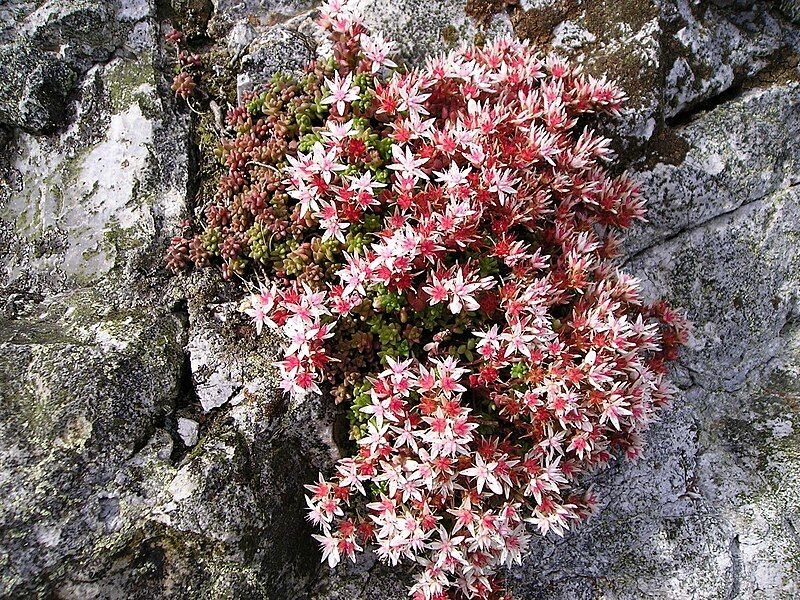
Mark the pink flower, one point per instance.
(411, 100)
(325, 162)
(407, 164)
(483, 474)
(490, 341)
(501, 182)
(462, 293)
(437, 291)
(330, 548)
(315, 514)
(337, 132)
(614, 410)
(446, 548)
(341, 92)
(365, 183)
(375, 438)
(261, 305)
(454, 176)
(308, 198)
(517, 341)
(380, 410)
(378, 50)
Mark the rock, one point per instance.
(12, 13)
(256, 12)
(55, 45)
(420, 30)
(92, 363)
(200, 498)
(188, 429)
(95, 198)
(240, 37)
(217, 375)
(227, 360)
(425, 29)
(791, 9)
(738, 318)
(668, 56)
(720, 167)
(84, 385)
(35, 88)
(278, 50)
(80, 33)
(230, 520)
(244, 85)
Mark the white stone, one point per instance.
(188, 430)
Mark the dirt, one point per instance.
(538, 25)
(483, 10)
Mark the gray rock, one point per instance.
(425, 29)
(92, 364)
(227, 13)
(668, 56)
(790, 8)
(53, 46)
(240, 37)
(80, 32)
(12, 13)
(188, 430)
(244, 85)
(35, 88)
(722, 166)
(217, 374)
(228, 362)
(84, 385)
(243, 486)
(95, 198)
(277, 50)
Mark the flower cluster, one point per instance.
(252, 220)
(184, 83)
(439, 247)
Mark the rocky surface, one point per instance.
(145, 452)
(51, 46)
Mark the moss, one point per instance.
(633, 13)
(666, 146)
(19, 332)
(208, 167)
(71, 167)
(218, 85)
(782, 67)
(128, 82)
(118, 240)
(51, 391)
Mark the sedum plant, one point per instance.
(436, 246)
